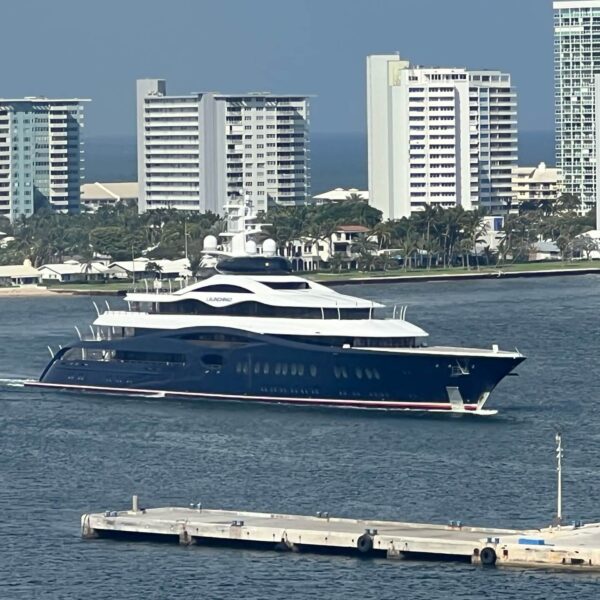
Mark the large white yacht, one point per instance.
(255, 332)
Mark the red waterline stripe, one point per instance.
(276, 399)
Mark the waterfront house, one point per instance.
(74, 272)
(18, 275)
(307, 254)
(145, 268)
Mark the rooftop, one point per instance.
(342, 194)
(25, 270)
(539, 174)
(109, 191)
(43, 99)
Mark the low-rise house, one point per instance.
(18, 275)
(74, 272)
(587, 245)
(545, 250)
(128, 269)
(491, 234)
(170, 269)
(146, 268)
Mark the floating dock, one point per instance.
(575, 547)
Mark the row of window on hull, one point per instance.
(300, 370)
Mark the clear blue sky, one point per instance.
(97, 49)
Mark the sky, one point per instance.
(97, 49)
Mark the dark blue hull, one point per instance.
(237, 365)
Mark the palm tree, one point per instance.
(383, 232)
(354, 197)
(155, 268)
(336, 262)
(321, 231)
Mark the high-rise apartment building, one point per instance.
(576, 61)
(40, 155)
(196, 151)
(439, 136)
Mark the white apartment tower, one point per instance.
(576, 62)
(439, 136)
(198, 150)
(41, 160)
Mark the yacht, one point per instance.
(254, 331)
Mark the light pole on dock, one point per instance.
(559, 456)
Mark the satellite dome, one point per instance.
(250, 247)
(27, 263)
(210, 242)
(269, 247)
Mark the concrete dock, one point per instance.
(574, 546)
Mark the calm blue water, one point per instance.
(336, 159)
(62, 455)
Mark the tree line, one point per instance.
(434, 237)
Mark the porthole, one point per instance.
(313, 370)
(369, 373)
(238, 368)
(284, 369)
(277, 368)
(293, 369)
(359, 373)
(256, 368)
(301, 370)
(266, 368)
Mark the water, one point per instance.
(65, 454)
(337, 160)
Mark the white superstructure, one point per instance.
(306, 308)
(439, 136)
(576, 62)
(197, 151)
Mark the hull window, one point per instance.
(212, 360)
(162, 357)
(287, 285)
(223, 287)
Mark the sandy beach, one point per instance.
(10, 292)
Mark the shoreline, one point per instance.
(27, 291)
(32, 291)
(428, 277)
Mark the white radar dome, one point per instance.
(210, 242)
(250, 247)
(27, 263)
(269, 247)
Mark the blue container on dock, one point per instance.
(531, 542)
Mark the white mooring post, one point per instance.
(559, 455)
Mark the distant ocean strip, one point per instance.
(337, 160)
